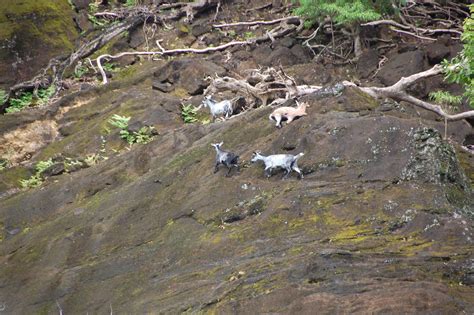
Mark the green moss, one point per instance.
(38, 23)
(180, 93)
(126, 73)
(9, 177)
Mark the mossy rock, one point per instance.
(33, 29)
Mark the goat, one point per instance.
(218, 108)
(228, 159)
(288, 113)
(287, 162)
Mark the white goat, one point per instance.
(228, 159)
(218, 108)
(287, 162)
(288, 113)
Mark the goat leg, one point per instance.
(297, 170)
(216, 168)
(228, 172)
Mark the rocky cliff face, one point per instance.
(31, 33)
(381, 223)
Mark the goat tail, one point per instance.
(298, 156)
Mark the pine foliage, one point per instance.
(343, 12)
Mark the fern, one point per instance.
(23, 101)
(188, 113)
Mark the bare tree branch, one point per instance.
(251, 23)
(413, 28)
(279, 31)
(398, 92)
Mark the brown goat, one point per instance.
(288, 113)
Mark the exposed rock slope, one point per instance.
(381, 223)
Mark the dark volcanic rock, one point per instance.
(188, 74)
(367, 63)
(436, 52)
(33, 30)
(402, 65)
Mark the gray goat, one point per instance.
(288, 162)
(228, 159)
(218, 108)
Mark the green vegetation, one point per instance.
(188, 113)
(27, 99)
(3, 96)
(17, 104)
(346, 13)
(3, 164)
(131, 3)
(446, 98)
(343, 12)
(110, 67)
(80, 70)
(460, 70)
(36, 180)
(142, 136)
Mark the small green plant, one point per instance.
(36, 179)
(188, 113)
(80, 70)
(42, 166)
(131, 3)
(70, 164)
(44, 95)
(24, 100)
(3, 164)
(3, 96)
(93, 159)
(32, 182)
(110, 67)
(118, 121)
(142, 136)
(27, 99)
(248, 35)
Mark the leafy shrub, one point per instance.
(188, 113)
(446, 98)
(80, 70)
(142, 136)
(45, 94)
(17, 104)
(36, 180)
(27, 99)
(110, 67)
(461, 68)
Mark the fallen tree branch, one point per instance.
(398, 92)
(293, 19)
(413, 28)
(414, 35)
(279, 31)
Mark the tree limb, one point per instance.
(398, 92)
(293, 19)
(406, 27)
(279, 31)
